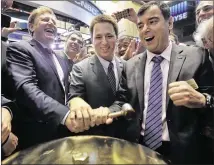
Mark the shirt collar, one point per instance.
(166, 54)
(105, 63)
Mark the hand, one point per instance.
(132, 16)
(102, 116)
(130, 52)
(10, 145)
(6, 31)
(182, 94)
(81, 56)
(5, 124)
(80, 115)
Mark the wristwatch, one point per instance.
(209, 101)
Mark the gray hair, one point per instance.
(203, 31)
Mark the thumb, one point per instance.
(109, 121)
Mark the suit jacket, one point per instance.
(184, 124)
(38, 91)
(89, 81)
(70, 63)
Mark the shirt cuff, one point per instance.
(6, 107)
(63, 120)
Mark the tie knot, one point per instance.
(111, 65)
(157, 59)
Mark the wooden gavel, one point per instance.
(127, 111)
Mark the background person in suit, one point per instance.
(96, 79)
(172, 130)
(40, 82)
(74, 49)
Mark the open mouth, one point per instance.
(148, 39)
(52, 31)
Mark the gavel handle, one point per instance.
(116, 114)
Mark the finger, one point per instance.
(92, 117)
(176, 84)
(181, 102)
(179, 96)
(178, 89)
(105, 115)
(80, 123)
(86, 119)
(109, 121)
(98, 114)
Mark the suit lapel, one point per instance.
(176, 62)
(99, 72)
(139, 75)
(41, 53)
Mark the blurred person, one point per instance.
(204, 11)
(40, 83)
(9, 141)
(90, 50)
(96, 79)
(170, 129)
(74, 50)
(123, 43)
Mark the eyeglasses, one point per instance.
(206, 8)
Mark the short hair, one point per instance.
(103, 19)
(165, 10)
(37, 12)
(74, 32)
(203, 31)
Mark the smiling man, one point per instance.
(40, 82)
(96, 79)
(172, 130)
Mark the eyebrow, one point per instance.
(153, 18)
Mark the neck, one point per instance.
(71, 55)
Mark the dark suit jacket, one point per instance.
(70, 63)
(187, 143)
(89, 81)
(38, 91)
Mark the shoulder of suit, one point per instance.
(84, 62)
(136, 58)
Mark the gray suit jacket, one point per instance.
(89, 81)
(184, 124)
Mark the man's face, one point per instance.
(44, 28)
(154, 30)
(104, 40)
(74, 44)
(204, 11)
(123, 45)
(91, 51)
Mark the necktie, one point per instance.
(111, 77)
(153, 127)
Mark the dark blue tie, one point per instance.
(111, 77)
(153, 128)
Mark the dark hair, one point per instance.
(102, 19)
(72, 33)
(165, 10)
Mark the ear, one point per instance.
(31, 27)
(171, 23)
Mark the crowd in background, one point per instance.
(49, 94)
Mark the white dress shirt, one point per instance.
(105, 65)
(165, 69)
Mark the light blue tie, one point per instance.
(153, 128)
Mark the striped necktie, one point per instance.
(111, 77)
(153, 127)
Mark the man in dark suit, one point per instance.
(40, 82)
(172, 130)
(96, 78)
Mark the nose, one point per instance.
(51, 21)
(104, 41)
